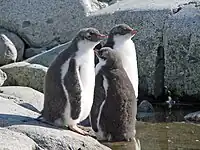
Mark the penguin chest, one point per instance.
(128, 55)
(87, 81)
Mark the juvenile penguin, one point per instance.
(119, 39)
(114, 109)
(69, 82)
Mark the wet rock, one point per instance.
(194, 117)
(24, 96)
(17, 41)
(145, 111)
(25, 74)
(3, 77)
(30, 52)
(47, 57)
(10, 140)
(8, 51)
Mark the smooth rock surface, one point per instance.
(47, 57)
(17, 41)
(3, 77)
(10, 140)
(57, 139)
(25, 96)
(30, 52)
(195, 117)
(12, 113)
(8, 51)
(25, 74)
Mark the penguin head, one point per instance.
(90, 35)
(109, 56)
(122, 31)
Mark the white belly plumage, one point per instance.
(86, 77)
(129, 61)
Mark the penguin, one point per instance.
(119, 39)
(113, 114)
(69, 82)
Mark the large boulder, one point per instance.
(25, 74)
(57, 139)
(47, 57)
(3, 77)
(153, 20)
(8, 51)
(20, 119)
(182, 44)
(24, 96)
(30, 52)
(194, 117)
(12, 113)
(17, 41)
(10, 140)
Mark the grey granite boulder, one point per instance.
(10, 140)
(12, 113)
(8, 51)
(25, 74)
(178, 19)
(3, 77)
(24, 96)
(30, 52)
(47, 57)
(182, 44)
(57, 139)
(17, 41)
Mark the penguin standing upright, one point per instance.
(69, 82)
(113, 114)
(119, 39)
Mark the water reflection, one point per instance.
(134, 145)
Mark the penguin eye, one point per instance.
(88, 35)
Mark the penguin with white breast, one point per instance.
(113, 114)
(119, 39)
(69, 82)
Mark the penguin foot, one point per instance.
(76, 129)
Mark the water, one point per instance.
(163, 136)
(165, 129)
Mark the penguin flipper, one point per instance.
(99, 97)
(73, 86)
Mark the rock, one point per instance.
(145, 112)
(25, 74)
(12, 113)
(17, 41)
(195, 117)
(50, 28)
(182, 43)
(25, 96)
(57, 139)
(8, 52)
(3, 77)
(30, 52)
(46, 58)
(145, 106)
(10, 140)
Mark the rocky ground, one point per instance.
(167, 47)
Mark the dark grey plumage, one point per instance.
(117, 119)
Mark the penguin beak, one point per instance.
(133, 32)
(102, 36)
